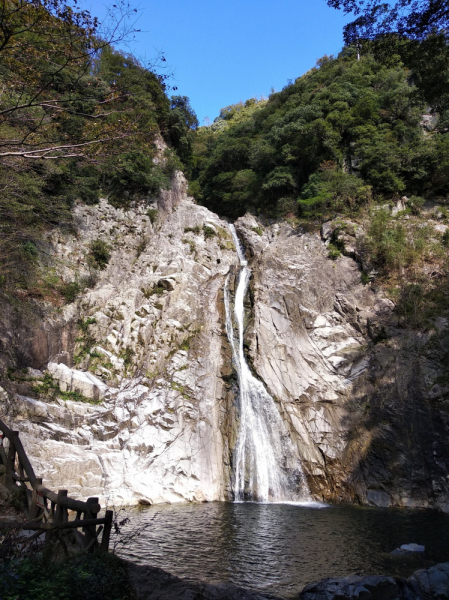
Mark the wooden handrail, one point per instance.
(60, 502)
(66, 502)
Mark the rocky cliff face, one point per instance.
(145, 350)
(147, 340)
(360, 394)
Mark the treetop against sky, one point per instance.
(221, 54)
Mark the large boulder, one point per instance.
(72, 380)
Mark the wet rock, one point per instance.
(431, 584)
(378, 498)
(409, 549)
(353, 588)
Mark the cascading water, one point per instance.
(266, 466)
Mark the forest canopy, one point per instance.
(343, 133)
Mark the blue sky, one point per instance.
(223, 52)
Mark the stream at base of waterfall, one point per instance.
(266, 465)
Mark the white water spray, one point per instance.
(266, 466)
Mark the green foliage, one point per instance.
(333, 252)
(86, 340)
(83, 324)
(87, 578)
(38, 195)
(182, 122)
(99, 254)
(416, 203)
(71, 290)
(209, 232)
(330, 190)
(194, 190)
(49, 388)
(340, 135)
(364, 278)
(152, 214)
(191, 245)
(257, 230)
(127, 354)
(392, 245)
(136, 176)
(157, 289)
(196, 230)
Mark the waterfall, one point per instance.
(267, 467)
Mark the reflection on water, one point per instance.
(279, 548)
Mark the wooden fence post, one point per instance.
(59, 512)
(107, 531)
(34, 508)
(90, 530)
(10, 461)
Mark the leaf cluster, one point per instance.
(414, 19)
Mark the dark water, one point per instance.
(279, 548)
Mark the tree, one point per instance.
(52, 103)
(182, 123)
(413, 19)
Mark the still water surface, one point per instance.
(279, 548)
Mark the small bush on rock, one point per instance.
(208, 232)
(152, 214)
(99, 254)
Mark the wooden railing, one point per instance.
(47, 511)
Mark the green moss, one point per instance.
(257, 230)
(191, 244)
(86, 340)
(179, 388)
(333, 252)
(364, 278)
(127, 354)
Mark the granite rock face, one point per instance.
(147, 342)
(145, 347)
(356, 389)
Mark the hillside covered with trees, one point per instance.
(78, 122)
(347, 131)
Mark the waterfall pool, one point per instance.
(280, 548)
